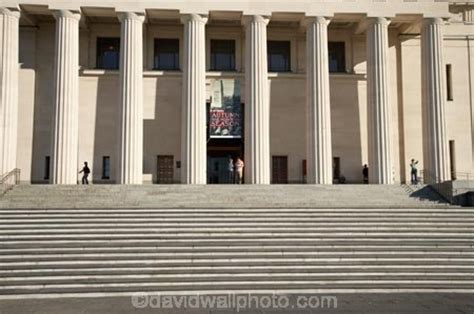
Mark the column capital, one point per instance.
(131, 16)
(12, 12)
(378, 20)
(324, 20)
(202, 18)
(433, 21)
(247, 19)
(66, 14)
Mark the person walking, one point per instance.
(85, 170)
(239, 169)
(414, 171)
(365, 174)
(230, 170)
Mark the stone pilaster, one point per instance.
(380, 146)
(434, 111)
(193, 122)
(64, 163)
(130, 145)
(319, 150)
(257, 104)
(9, 19)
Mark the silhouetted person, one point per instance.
(230, 170)
(365, 174)
(85, 170)
(414, 171)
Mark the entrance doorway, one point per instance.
(164, 169)
(218, 153)
(279, 169)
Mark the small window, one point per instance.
(449, 82)
(452, 159)
(47, 167)
(106, 167)
(279, 56)
(108, 53)
(223, 55)
(166, 54)
(337, 57)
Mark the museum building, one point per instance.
(302, 91)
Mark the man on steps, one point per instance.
(414, 171)
(86, 172)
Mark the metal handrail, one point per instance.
(10, 178)
(426, 176)
(462, 176)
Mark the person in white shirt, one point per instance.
(239, 169)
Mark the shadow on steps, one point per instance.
(427, 193)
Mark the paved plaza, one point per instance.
(346, 303)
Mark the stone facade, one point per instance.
(389, 105)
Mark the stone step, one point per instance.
(268, 215)
(241, 248)
(266, 261)
(196, 269)
(184, 222)
(241, 285)
(228, 234)
(230, 256)
(252, 230)
(45, 227)
(200, 241)
(230, 277)
(239, 210)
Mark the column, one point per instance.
(380, 150)
(9, 21)
(65, 99)
(434, 111)
(468, 14)
(257, 104)
(319, 169)
(130, 145)
(193, 122)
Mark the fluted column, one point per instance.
(318, 102)
(8, 88)
(193, 122)
(468, 14)
(66, 102)
(434, 111)
(257, 104)
(380, 147)
(130, 145)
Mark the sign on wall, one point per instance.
(225, 118)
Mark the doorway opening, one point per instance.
(164, 168)
(219, 151)
(225, 130)
(279, 169)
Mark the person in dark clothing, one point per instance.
(85, 170)
(365, 174)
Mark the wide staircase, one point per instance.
(209, 243)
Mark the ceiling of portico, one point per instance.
(33, 14)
